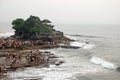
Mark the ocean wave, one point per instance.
(77, 35)
(63, 72)
(6, 34)
(82, 45)
(102, 62)
(88, 46)
(70, 37)
(76, 43)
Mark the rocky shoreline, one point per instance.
(28, 58)
(15, 54)
(23, 48)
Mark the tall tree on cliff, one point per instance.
(33, 27)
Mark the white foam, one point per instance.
(62, 72)
(70, 37)
(53, 75)
(73, 65)
(77, 44)
(82, 45)
(88, 46)
(7, 34)
(102, 62)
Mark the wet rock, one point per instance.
(47, 52)
(59, 63)
(118, 69)
(53, 56)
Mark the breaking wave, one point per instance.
(82, 45)
(76, 43)
(70, 37)
(102, 62)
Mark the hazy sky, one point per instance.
(63, 11)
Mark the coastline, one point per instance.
(57, 52)
(43, 59)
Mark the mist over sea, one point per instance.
(95, 61)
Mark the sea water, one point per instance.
(97, 60)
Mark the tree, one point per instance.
(46, 21)
(33, 27)
(18, 26)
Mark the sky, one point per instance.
(63, 11)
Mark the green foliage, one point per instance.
(17, 24)
(32, 27)
(44, 29)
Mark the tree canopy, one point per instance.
(32, 27)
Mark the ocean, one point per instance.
(97, 60)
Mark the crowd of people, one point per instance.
(36, 56)
(9, 43)
(17, 60)
(19, 44)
